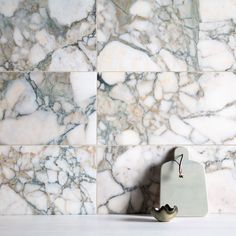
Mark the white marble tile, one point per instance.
(47, 180)
(217, 35)
(166, 108)
(48, 108)
(217, 10)
(216, 46)
(129, 177)
(146, 35)
(48, 35)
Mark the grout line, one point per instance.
(118, 71)
(96, 28)
(109, 145)
(168, 71)
(43, 71)
(128, 71)
(163, 145)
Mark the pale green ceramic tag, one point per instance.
(183, 184)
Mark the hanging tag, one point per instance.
(183, 184)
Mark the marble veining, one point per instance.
(217, 35)
(47, 180)
(48, 35)
(166, 108)
(128, 179)
(166, 78)
(147, 35)
(47, 108)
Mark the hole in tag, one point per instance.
(180, 165)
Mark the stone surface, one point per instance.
(217, 10)
(146, 35)
(48, 35)
(47, 180)
(167, 77)
(216, 43)
(128, 179)
(167, 108)
(48, 108)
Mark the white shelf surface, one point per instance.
(112, 225)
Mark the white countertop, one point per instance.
(131, 225)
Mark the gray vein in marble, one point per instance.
(47, 180)
(129, 177)
(162, 34)
(43, 108)
(166, 108)
(48, 35)
(216, 46)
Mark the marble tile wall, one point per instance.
(48, 107)
(95, 94)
